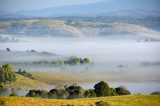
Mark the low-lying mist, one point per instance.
(114, 58)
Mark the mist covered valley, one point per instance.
(129, 62)
(121, 49)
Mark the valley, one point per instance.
(80, 53)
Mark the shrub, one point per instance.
(155, 93)
(122, 91)
(13, 94)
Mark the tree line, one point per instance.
(24, 73)
(66, 62)
(101, 89)
(69, 61)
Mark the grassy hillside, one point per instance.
(133, 100)
(25, 82)
(53, 77)
(76, 28)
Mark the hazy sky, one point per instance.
(16, 5)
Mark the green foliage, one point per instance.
(52, 94)
(86, 61)
(13, 94)
(75, 91)
(37, 93)
(113, 92)
(60, 94)
(76, 61)
(2, 87)
(86, 93)
(24, 73)
(122, 91)
(60, 62)
(102, 89)
(6, 73)
(90, 93)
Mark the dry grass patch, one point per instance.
(132, 100)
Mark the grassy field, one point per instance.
(52, 77)
(25, 82)
(132, 100)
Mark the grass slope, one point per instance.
(132, 100)
(25, 82)
(53, 77)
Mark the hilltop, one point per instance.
(78, 28)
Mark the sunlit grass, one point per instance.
(25, 82)
(53, 78)
(132, 100)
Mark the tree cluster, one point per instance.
(122, 90)
(73, 61)
(6, 73)
(76, 61)
(101, 89)
(24, 73)
(70, 61)
(70, 92)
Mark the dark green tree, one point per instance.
(102, 89)
(75, 91)
(122, 91)
(53, 93)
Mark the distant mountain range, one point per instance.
(100, 8)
